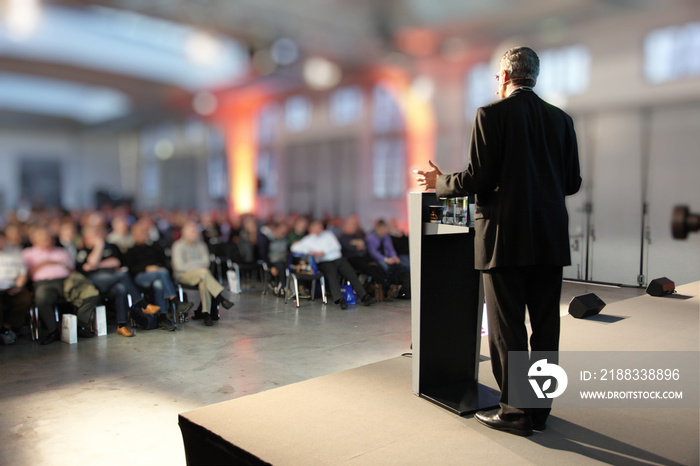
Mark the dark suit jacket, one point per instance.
(523, 161)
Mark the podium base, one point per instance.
(463, 399)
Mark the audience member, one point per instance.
(101, 262)
(68, 237)
(326, 249)
(16, 237)
(148, 266)
(15, 299)
(49, 268)
(381, 249)
(400, 241)
(277, 256)
(120, 236)
(190, 261)
(354, 249)
(300, 229)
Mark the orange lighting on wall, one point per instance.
(239, 116)
(419, 118)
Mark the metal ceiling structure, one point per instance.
(118, 59)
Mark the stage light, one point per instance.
(320, 73)
(22, 18)
(202, 48)
(204, 103)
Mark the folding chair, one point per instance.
(313, 274)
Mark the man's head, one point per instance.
(41, 238)
(91, 233)
(316, 227)
(381, 229)
(351, 225)
(519, 66)
(139, 232)
(190, 232)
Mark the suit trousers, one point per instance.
(209, 287)
(117, 285)
(509, 291)
(333, 270)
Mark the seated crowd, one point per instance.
(51, 259)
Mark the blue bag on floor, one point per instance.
(348, 294)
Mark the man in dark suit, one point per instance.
(523, 161)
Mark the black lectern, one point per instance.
(446, 310)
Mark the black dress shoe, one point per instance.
(539, 426)
(51, 337)
(84, 332)
(183, 308)
(521, 426)
(226, 299)
(207, 319)
(367, 300)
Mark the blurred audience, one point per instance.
(123, 254)
(149, 267)
(324, 246)
(381, 248)
(15, 298)
(101, 262)
(354, 247)
(49, 268)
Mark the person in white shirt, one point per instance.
(326, 249)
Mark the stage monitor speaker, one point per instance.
(585, 305)
(661, 287)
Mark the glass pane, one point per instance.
(346, 105)
(298, 113)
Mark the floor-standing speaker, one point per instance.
(585, 305)
(661, 287)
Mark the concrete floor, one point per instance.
(113, 400)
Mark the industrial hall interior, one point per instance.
(367, 232)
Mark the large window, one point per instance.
(480, 88)
(672, 53)
(386, 116)
(217, 168)
(389, 168)
(389, 149)
(346, 105)
(267, 173)
(564, 71)
(297, 113)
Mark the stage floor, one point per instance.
(370, 416)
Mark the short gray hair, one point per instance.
(522, 65)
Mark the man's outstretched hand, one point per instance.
(428, 178)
